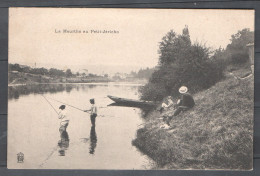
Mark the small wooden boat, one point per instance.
(131, 102)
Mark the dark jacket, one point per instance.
(187, 100)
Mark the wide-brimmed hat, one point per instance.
(183, 89)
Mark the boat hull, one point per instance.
(131, 102)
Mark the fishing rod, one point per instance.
(79, 108)
(50, 104)
(68, 105)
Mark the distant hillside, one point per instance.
(16, 77)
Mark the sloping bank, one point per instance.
(216, 133)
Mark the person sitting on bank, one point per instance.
(167, 104)
(186, 102)
(93, 111)
(64, 118)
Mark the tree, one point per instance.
(172, 46)
(15, 67)
(181, 63)
(237, 49)
(68, 73)
(56, 72)
(39, 71)
(144, 73)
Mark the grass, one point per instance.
(216, 134)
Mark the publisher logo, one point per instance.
(20, 157)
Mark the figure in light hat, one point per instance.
(184, 103)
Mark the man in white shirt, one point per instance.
(93, 112)
(64, 118)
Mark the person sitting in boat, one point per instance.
(64, 118)
(166, 104)
(93, 111)
(186, 102)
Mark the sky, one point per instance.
(36, 35)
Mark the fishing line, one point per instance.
(67, 104)
(79, 108)
(50, 104)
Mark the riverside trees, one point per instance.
(181, 63)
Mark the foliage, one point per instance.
(17, 67)
(237, 49)
(53, 72)
(236, 53)
(172, 46)
(181, 63)
(153, 91)
(68, 73)
(143, 73)
(40, 71)
(56, 72)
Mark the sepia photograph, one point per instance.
(130, 89)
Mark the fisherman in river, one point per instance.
(93, 111)
(64, 118)
(186, 102)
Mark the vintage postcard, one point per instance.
(142, 89)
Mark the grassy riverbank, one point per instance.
(215, 134)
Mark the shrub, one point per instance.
(181, 63)
(237, 51)
(152, 92)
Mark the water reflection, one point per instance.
(122, 120)
(93, 140)
(63, 142)
(145, 110)
(16, 91)
(69, 88)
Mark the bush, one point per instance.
(152, 92)
(237, 51)
(181, 63)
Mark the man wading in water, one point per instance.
(64, 118)
(93, 112)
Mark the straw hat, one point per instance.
(183, 89)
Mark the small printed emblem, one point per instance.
(20, 157)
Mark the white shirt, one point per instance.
(169, 103)
(63, 115)
(93, 109)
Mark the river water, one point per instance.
(33, 128)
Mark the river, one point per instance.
(33, 128)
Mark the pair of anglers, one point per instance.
(65, 119)
(186, 102)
